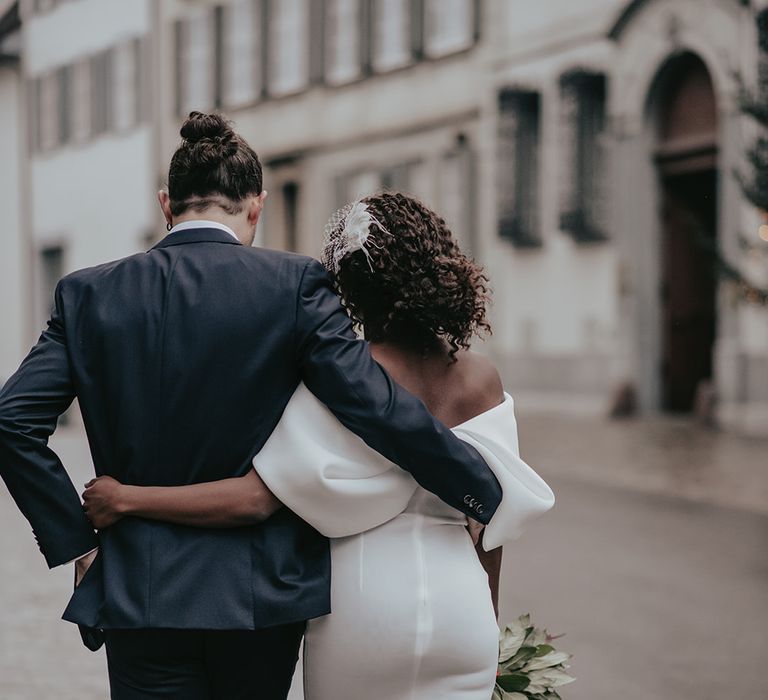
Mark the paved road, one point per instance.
(662, 597)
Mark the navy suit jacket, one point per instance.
(183, 360)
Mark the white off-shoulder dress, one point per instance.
(411, 616)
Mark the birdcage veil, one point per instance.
(348, 230)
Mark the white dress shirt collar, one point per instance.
(203, 223)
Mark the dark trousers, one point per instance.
(202, 664)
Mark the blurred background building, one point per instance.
(583, 151)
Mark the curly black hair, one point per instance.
(415, 286)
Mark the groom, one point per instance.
(182, 360)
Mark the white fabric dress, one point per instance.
(411, 617)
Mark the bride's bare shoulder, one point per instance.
(481, 384)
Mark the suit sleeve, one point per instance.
(30, 403)
(338, 369)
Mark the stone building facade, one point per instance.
(13, 261)
(583, 151)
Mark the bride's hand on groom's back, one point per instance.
(101, 501)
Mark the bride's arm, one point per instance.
(232, 502)
(491, 562)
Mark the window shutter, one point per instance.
(317, 39)
(518, 167)
(582, 127)
(34, 91)
(179, 48)
(217, 76)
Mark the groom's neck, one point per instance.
(237, 222)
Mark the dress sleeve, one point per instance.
(338, 484)
(327, 475)
(526, 495)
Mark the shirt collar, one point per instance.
(203, 223)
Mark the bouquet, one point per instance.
(530, 668)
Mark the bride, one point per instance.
(412, 615)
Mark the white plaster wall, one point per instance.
(13, 288)
(560, 299)
(79, 28)
(535, 25)
(96, 200)
(384, 105)
(423, 149)
(560, 302)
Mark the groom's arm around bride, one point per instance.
(340, 371)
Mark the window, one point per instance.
(51, 271)
(344, 32)
(48, 111)
(290, 192)
(126, 85)
(392, 39)
(64, 103)
(288, 46)
(144, 67)
(359, 184)
(450, 26)
(101, 92)
(34, 100)
(242, 53)
(81, 101)
(195, 62)
(457, 192)
(518, 167)
(582, 126)
(43, 5)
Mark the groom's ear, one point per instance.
(255, 207)
(165, 204)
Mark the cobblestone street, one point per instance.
(653, 562)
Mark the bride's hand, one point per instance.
(102, 501)
(475, 530)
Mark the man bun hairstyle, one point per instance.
(412, 283)
(213, 165)
(210, 137)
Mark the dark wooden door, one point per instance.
(688, 285)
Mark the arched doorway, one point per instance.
(686, 162)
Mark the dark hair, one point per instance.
(416, 286)
(212, 165)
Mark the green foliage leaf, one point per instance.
(530, 668)
(519, 659)
(551, 660)
(513, 682)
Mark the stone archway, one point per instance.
(683, 109)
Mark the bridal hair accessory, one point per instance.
(348, 230)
